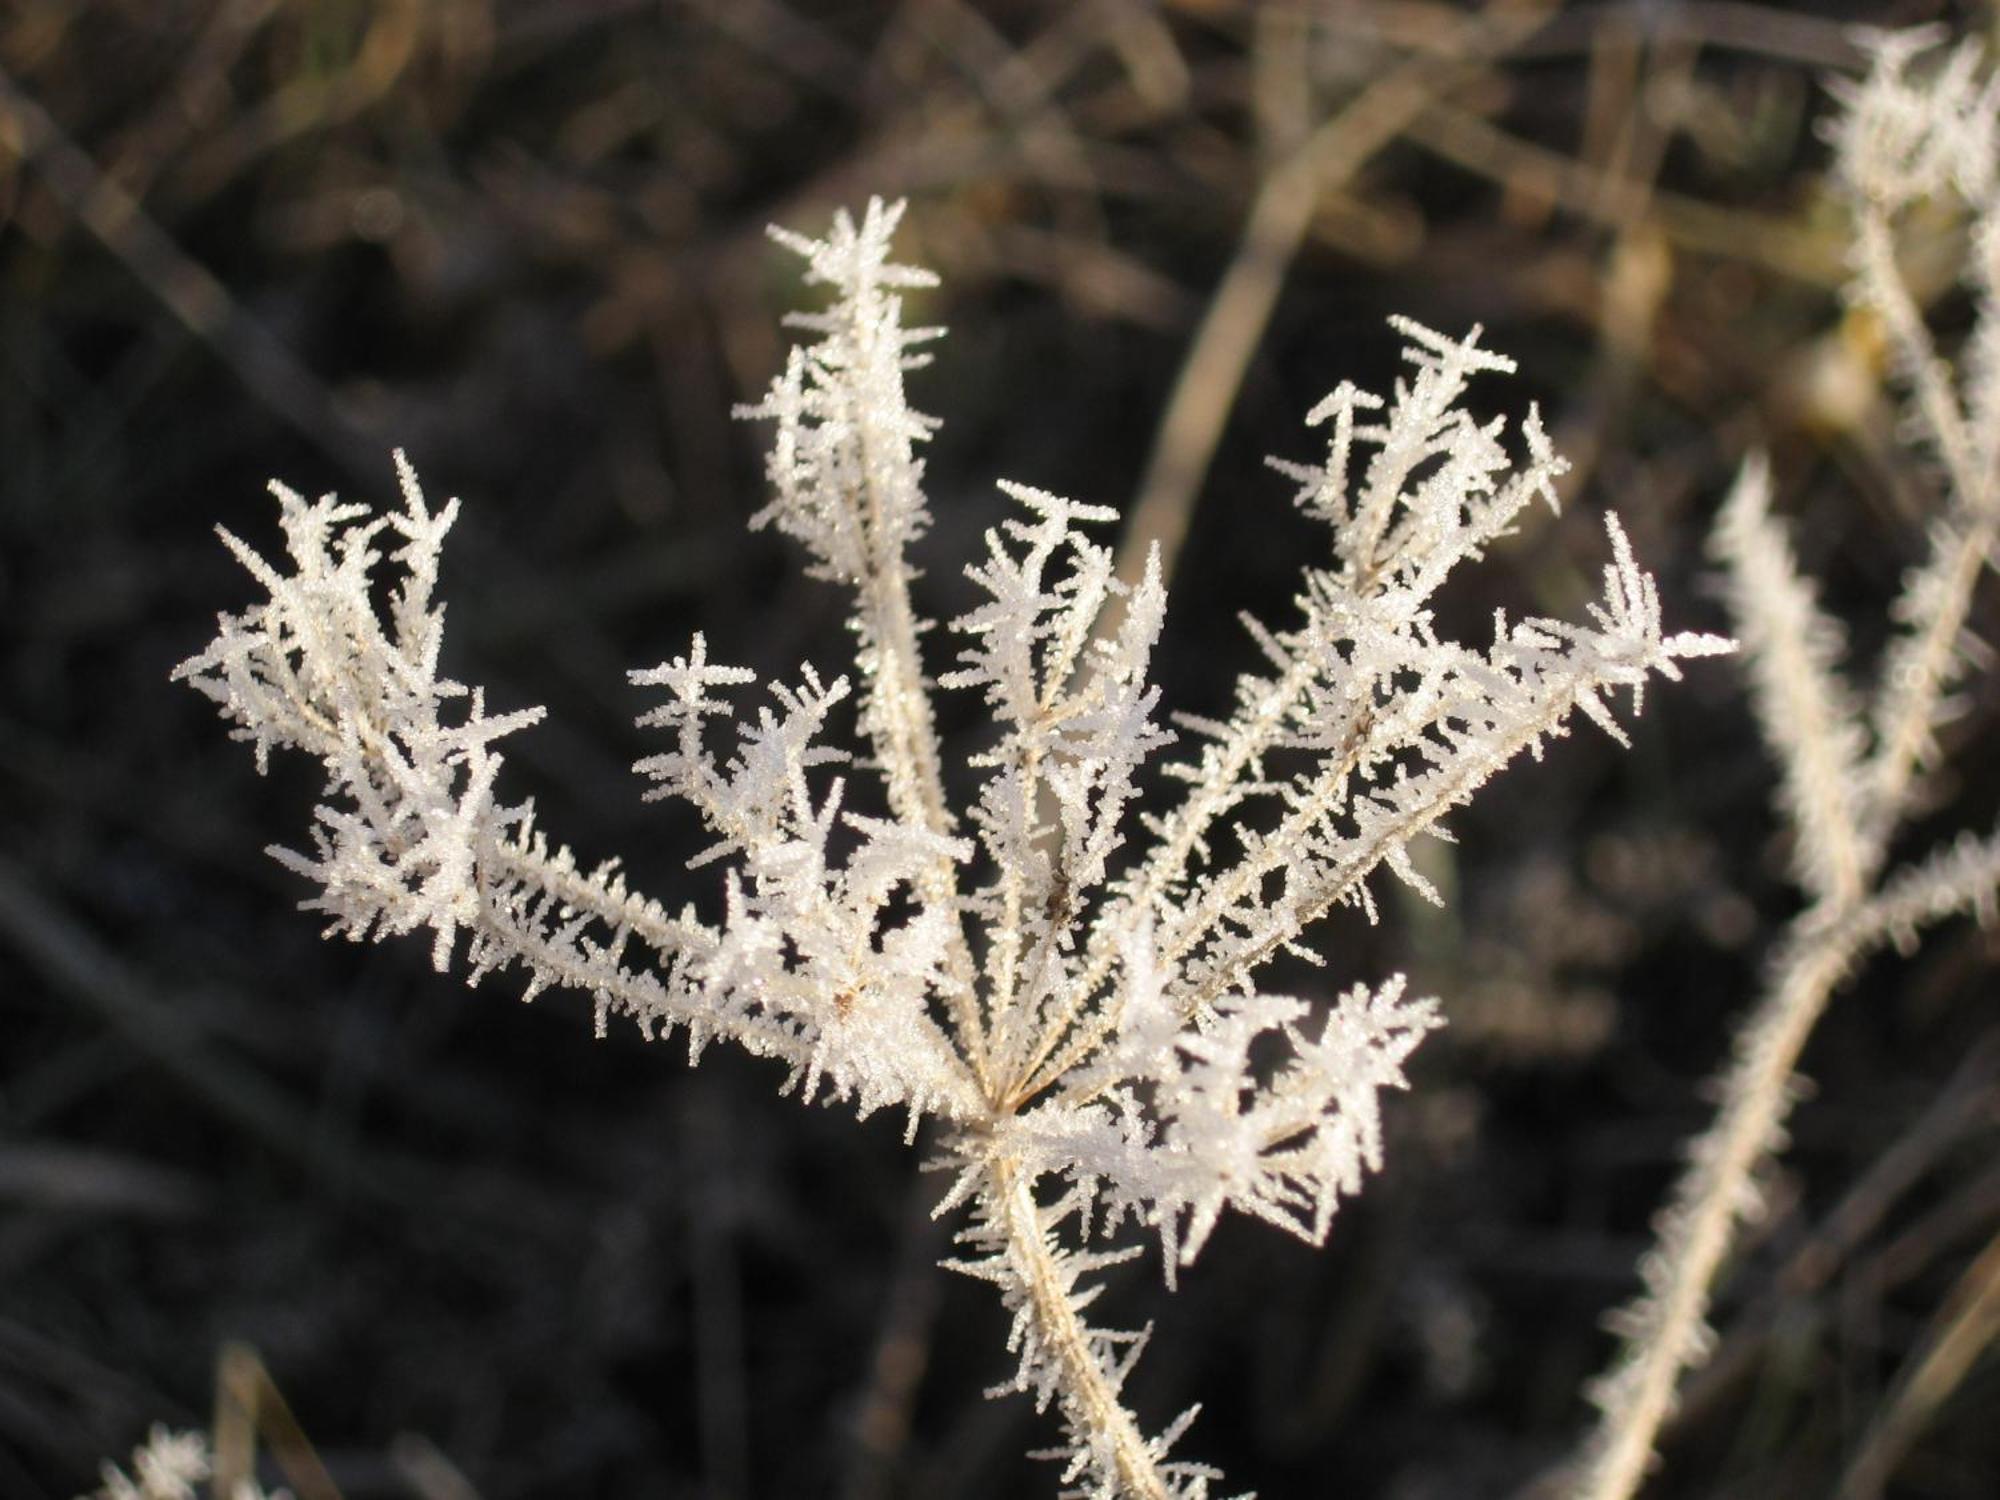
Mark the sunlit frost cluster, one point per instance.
(1070, 989)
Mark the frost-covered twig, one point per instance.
(1908, 133)
(1086, 1026)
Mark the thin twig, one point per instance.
(1967, 1324)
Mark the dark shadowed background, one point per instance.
(479, 1253)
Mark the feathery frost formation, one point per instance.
(1080, 1015)
(1916, 131)
(171, 1466)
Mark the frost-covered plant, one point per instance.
(1914, 131)
(1078, 1015)
(170, 1466)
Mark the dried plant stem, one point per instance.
(1716, 1193)
(915, 784)
(1905, 138)
(904, 731)
(1667, 1331)
(1965, 1328)
(1903, 728)
(1879, 281)
(1089, 1399)
(906, 739)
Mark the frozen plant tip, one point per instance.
(1078, 1014)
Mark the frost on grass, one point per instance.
(1070, 989)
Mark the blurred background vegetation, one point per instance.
(477, 1253)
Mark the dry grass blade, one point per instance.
(249, 1405)
(1962, 1332)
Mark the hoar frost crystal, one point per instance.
(1078, 1015)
